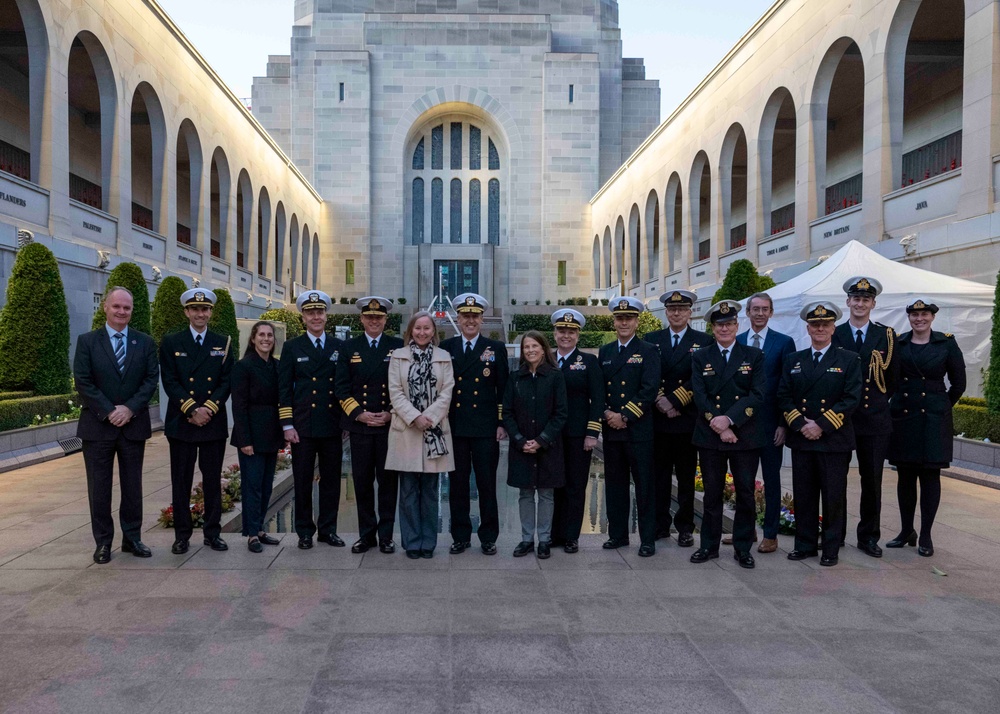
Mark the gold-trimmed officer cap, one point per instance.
(685, 298)
(626, 306)
(471, 302)
(568, 318)
(313, 299)
(821, 311)
(921, 305)
(197, 296)
(374, 305)
(723, 311)
(860, 285)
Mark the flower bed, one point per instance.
(786, 519)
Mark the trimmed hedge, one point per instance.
(128, 275)
(976, 422)
(223, 318)
(168, 313)
(393, 324)
(587, 339)
(19, 413)
(4, 396)
(595, 323)
(972, 401)
(34, 326)
(291, 320)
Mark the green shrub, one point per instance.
(523, 323)
(4, 396)
(741, 281)
(19, 413)
(972, 402)
(168, 313)
(648, 323)
(976, 422)
(224, 318)
(291, 319)
(34, 326)
(128, 275)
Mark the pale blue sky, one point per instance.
(680, 39)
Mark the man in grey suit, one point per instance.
(116, 374)
(776, 347)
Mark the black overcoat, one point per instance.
(255, 405)
(584, 395)
(534, 407)
(872, 415)
(195, 377)
(921, 407)
(307, 387)
(480, 382)
(675, 377)
(630, 382)
(828, 394)
(734, 389)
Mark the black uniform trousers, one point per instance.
(368, 453)
(743, 465)
(675, 452)
(209, 456)
(817, 474)
(567, 520)
(482, 455)
(621, 460)
(99, 460)
(872, 450)
(330, 450)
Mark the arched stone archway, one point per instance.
(189, 168)
(652, 237)
(219, 205)
(92, 108)
(700, 191)
(280, 241)
(244, 212)
(148, 159)
(733, 175)
(263, 231)
(634, 275)
(776, 150)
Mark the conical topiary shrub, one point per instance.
(224, 318)
(128, 275)
(168, 313)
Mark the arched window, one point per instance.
(149, 138)
(26, 54)
(92, 105)
(263, 230)
(457, 148)
(219, 204)
(315, 259)
(279, 242)
(189, 171)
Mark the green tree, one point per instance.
(168, 313)
(742, 281)
(992, 391)
(34, 326)
(648, 322)
(224, 318)
(292, 320)
(128, 275)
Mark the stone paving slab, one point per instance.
(599, 631)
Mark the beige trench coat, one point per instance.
(406, 443)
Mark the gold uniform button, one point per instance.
(474, 406)
(314, 379)
(905, 394)
(191, 379)
(458, 406)
(209, 379)
(459, 379)
(192, 394)
(822, 401)
(923, 394)
(314, 391)
(623, 382)
(475, 394)
(623, 396)
(477, 379)
(313, 406)
(867, 381)
(922, 411)
(364, 386)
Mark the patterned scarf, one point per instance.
(423, 391)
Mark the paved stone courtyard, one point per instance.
(599, 631)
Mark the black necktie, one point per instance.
(319, 344)
(677, 339)
(621, 348)
(197, 343)
(561, 362)
(816, 358)
(468, 347)
(374, 345)
(725, 356)
(859, 340)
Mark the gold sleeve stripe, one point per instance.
(836, 419)
(595, 425)
(684, 396)
(188, 403)
(500, 411)
(349, 405)
(212, 406)
(792, 416)
(285, 413)
(634, 409)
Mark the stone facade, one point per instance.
(366, 80)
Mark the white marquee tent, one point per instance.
(966, 306)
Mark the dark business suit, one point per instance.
(776, 347)
(673, 448)
(195, 376)
(630, 378)
(585, 398)
(307, 401)
(476, 413)
(363, 386)
(733, 388)
(828, 394)
(102, 387)
(872, 419)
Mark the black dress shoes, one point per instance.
(413, 554)
(180, 547)
(902, 539)
(647, 550)
(102, 555)
(926, 549)
(829, 560)
(544, 550)
(612, 543)
(488, 548)
(870, 547)
(571, 546)
(267, 539)
(459, 546)
(744, 558)
(253, 545)
(136, 548)
(361, 546)
(802, 554)
(427, 553)
(331, 539)
(703, 556)
(523, 548)
(305, 542)
(387, 547)
(685, 540)
(216, 543)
